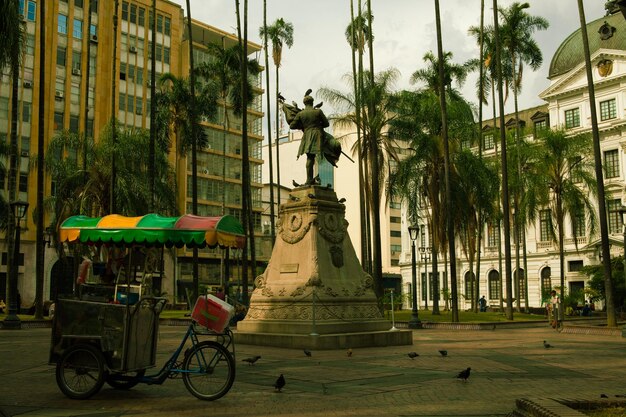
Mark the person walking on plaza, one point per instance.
(483, 304)
(553, 315)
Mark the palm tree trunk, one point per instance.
(505, 175)
(114, 78)
(153, 104)
(517, 215)
(194, 148)
(611, 319)
(526, 309)
(277, 122)
(40, 251)
(269, 127)
(560, 220)
(493, 102)
(481, 81)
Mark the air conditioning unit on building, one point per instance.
(75, 71)
(132, 49)
(27, 84)
(58, 94)
(205, 171)
(24, 153)
(94, 38)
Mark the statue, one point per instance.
(316, 143)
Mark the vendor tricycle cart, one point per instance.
(94, 342)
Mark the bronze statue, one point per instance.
(315, 141)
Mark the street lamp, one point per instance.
(414, 323)
(425, 258)
(12, 321)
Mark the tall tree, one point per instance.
(39, 255)
(12, 35)
(279, 33)
(516, 33)
(153, 101)
(114, 96)
(377, 146)
(611, 319)
(263, 34)
(565, 169)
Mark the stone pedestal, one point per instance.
(314, 283)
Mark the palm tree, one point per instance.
(279, 33)
(357, 33)
(377, 146)
(40, 250)
(153, 101)
(263, 34)
(516, 34)
(113, 107)
(611, 319)
(566, 171)
(12, 35)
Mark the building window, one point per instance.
(168, 26)
(78, 3)
(611, 164)
(58, 120)
(166, 55)
(61, 52)
(608, 110)
(138, 105)
(62, 24)
(93, 30)
(125, 10)
(394, 219)
(572, 118)
(76, 58)
(395, 249)
(23, 186)
(488, 142)
(493, 233)
(469, 286)
(31, 10)
(395, 233)
(522, 283)
(142, 17)
(578, 225)
(26, 112)
(159, 23)
(73, 123)
(575, 266)
(546, 282)
(77, 30)
(122, 102)
(545, 225)
(30, 44)
(614, 216)
(540, 126)
(494, 285)
(133, 13)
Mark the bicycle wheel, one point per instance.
(80, 371)
(208, 371)
(124, 381)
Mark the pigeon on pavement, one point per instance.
(413, 355)
(280, 383)
(547, 345)
(349, 353)
(443, 353)
(464, 374)
(307, 352)
(251, 360)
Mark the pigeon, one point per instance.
(413, 355)
(280, 383)
(309, 91)
(295, 184)
(342, 200)
(443, 353)
(547, 345)
(604, 396)
(293, 198)
(251, 359)
(349, 353)
(307, 352)
(280, 97)
(318, 105)
(464, 374)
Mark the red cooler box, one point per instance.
(212, 313)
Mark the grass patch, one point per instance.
(464, 316)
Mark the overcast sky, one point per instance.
(404, 30)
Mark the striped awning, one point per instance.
(154, 230)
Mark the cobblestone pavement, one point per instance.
(506, 364)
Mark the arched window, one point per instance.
(546, 281)
(494, 285)
(469, 286)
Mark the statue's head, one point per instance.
(308, 100)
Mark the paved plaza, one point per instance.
(506, 364)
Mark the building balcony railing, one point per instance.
(580, 240)
(545, 245)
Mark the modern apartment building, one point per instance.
(80, 68)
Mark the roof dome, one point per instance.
(571, 52)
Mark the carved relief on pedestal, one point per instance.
(292, 227)
(366, 283)
(332, 226)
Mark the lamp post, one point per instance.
(414, 323)
(12, 321)
(425, 258)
